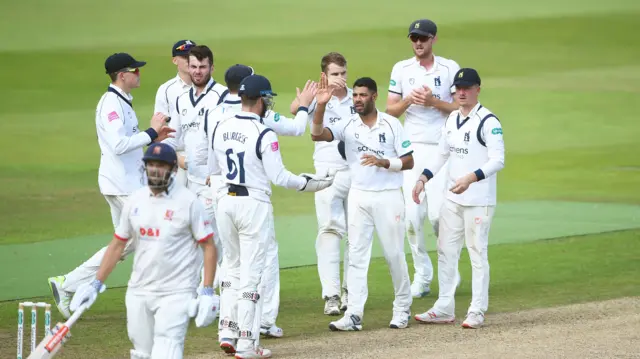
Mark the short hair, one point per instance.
(332, 58)
(249, 101)
(202, 52)
(113, 76)
(367, 82)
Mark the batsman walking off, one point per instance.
(472, 142)
(377, 152)
(172, 235)
(250, 156)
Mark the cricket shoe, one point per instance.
(60, 296)
(400, 320)
(332, 305)
(419, 289)
(258, 353)
(474, 320)
(228, 345)
(433, 317)
(272, 331)
(349, 322)
(343, 300)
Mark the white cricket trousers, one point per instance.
(246, 227)
(458, 225)
(87, 271)
(331, 212)
(384, 211)
(181, 175)
(157, 324)
(416, 213)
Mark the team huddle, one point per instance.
(195, 208)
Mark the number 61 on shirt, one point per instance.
(235, 166)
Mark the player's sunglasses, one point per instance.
(422, 38)
(184, 47)
(135, 71)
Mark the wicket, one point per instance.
(34, 321)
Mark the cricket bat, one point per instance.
(51, 344)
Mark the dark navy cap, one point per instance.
(236, 73)
(466, 77)
(424, 27)
(161, 152)
(255, 86)
(121, 61)
(182, 47)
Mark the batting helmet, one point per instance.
(161, 152)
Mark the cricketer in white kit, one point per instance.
(332, 203)
(121, 167)
(472, 142)
(169, 91)
(377, 150)
(281, 125)
(421, 87)
(172, 236)
(248, 157)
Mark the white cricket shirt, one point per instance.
(385, 139)
(472, 144)
(190, 125)
(121, 142)
(337, 111)
(247, 153)
(424, 124)
(166, 98)
(166, 229)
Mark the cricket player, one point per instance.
(121, 168)
(472, 142)
(331, 203)
(169, 91)
(173, 236)
(281, 125)
(377, 150)
(421, 88)
(247, 155)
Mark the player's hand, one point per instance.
(208, 181)
(419, 188)
(86, 293)
(463, 183)
(324, 90)
(338, 83)
(305, 97)
(317, 183)
(158, 120)
(423, 96)
(371, 160)
(204, 308)
(164, 132)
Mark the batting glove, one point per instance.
(205, 307)
(316, 183)
(86, 293)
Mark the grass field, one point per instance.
(561, 75)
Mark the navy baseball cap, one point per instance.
(236, 73)
(182, 47)
(466, 77)
(161, 152)
(423, 27)
(121, 61)
(255, 86)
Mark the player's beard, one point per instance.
(159, 178)
(367, 107)
(203, 81)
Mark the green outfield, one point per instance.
(561, 75)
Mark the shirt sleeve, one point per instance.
(285, 126)
(452, 74)
(269, 149)
(176, 124)
(162, 103)
(124, 231)
(200, 224)
(337, 130)
(110, 118)
(401, 141)
(395, 83)
(492, 137)
(435, 163)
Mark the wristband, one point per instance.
(395, 164)
(206, 291)
(152, 133)
(96, 284)
(303, 108)
(316, 129)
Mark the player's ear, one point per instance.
(174, 60)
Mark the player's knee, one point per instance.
(136, 354)
(167, 348)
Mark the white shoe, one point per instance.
(60, 296)
(272, 331)
(332, 305)
(431, 316)
(400, 320)
(343, 300)
(228, 345)
(254, 353)
(419, 289)
(347, 323)
(474, 320)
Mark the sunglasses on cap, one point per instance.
(422, 38)
(134, 70)
(184, 47)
